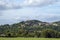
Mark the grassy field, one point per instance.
(29, 38)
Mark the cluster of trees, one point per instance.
(39, 34)
(31, 28)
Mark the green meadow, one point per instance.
(29, 38)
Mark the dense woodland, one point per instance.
(31, 28)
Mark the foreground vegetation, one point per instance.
(31, 28)
(29, 39)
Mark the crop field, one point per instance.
(29, 38)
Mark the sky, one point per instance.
(14, 11)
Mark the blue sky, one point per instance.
(13, 11)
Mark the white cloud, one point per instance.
(12, 4)
(38, 2)
(8, 5)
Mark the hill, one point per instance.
(28, 28)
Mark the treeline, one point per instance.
(31, 28)
(38, 34)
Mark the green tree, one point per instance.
(49, 33)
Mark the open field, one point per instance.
(29, 38)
